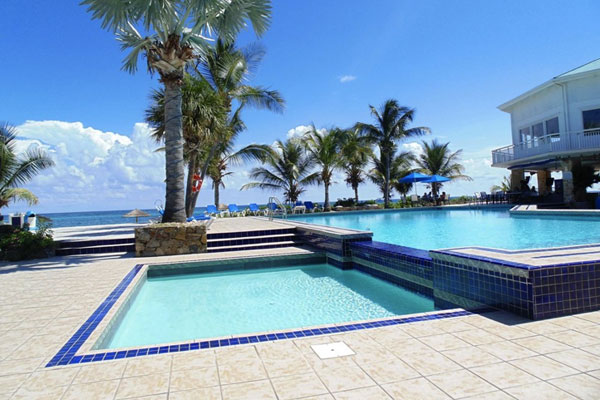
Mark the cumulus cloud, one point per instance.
(94, 169)
(347, 78)
(300, 130)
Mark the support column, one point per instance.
(543, 177)
(567, 179)
(516, 176)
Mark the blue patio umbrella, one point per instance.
(414, 177)
(435, 179)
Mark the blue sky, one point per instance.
(455, 62)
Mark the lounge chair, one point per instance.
(299, 208)
(310, 206)
(235, 211)
(270, 207)
(254, 209)
(414, 199)
(211, 210)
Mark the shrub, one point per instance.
(344, 202)
(21, 244)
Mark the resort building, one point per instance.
(555, 128)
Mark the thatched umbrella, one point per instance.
(136, 214)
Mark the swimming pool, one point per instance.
(205, 305)
(443, 228)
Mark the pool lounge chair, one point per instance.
(235, 211)
(253, 208)
(310, 206)
(299, 208)
(212, 210)
(202, 219)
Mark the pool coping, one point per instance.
(79, 348)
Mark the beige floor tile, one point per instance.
(39, 393)
(390, 336)
(478, 337)
(582, 386)
(145, 385)
(320, 397)
(593, 330)
(542, 327)
(11, 367)
(574, 338)
(51, 378)
(286, 366)
(233, 355)
(509, 332)
(593, 316)
(371, 393)
(148, 365)
(193, 379)
(471, 357)
(297, 386)
(595, 373)
(461, 383)
(504, 375)
(454, 325)
(100, 372)
(542, 344)
(446, 341)
(391, 370)
(242, 371)
(572, 322)
(211, 393)
(249, 391)
(304, 344)
(538, 390)
(507, 350)
(544, 367)
(410, 346)
(431, 363)
(421, 329)
(578, 359)
(10, 383)
(96, 390)
(194, 359)
(414, 389)
(342, 376)
(497, 395)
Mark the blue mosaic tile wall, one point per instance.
(339, 246)
(405, 266)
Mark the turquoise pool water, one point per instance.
(186, 307)
(437, 229)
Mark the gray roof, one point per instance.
(592, 65)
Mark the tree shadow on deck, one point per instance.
(60, 262)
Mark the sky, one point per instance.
(454, 62)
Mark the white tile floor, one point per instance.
(491, 356)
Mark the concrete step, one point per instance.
(217, 243)
(287, 243)
(101, 249)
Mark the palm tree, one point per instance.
(203, 124)
(437, 159)
(287, 167)
(391, 126)
(174, 34)
(356, 152)
(504, 186)
(324, 148)
(17, 170)
(401, 187)
(399, 167)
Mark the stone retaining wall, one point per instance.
(170, 239)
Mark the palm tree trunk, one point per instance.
(326, 205)
(355, 187)
(386, 194)
(189, 194)
(217, 193)
(175, 195)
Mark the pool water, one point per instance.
(205, 305)
(438, 229)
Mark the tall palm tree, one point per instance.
(390, 127)
(174, 33)
(204, 123)
(324, 148)
(16, 170)
(399, 166)
(437, 159)
(504, 186)
(356, 152)
(287, 167)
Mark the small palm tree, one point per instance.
(287, 167)
(324, 148)
(391, 127)
(16, 170)
(437, 159)
(356, 153)
(173, 34)
(505, 185)
(400, 165)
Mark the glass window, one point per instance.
(537, 130)
(591, 119)
(524, 132)
(552, 126)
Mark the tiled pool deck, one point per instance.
(490, 356)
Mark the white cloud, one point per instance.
(347, 78)
(94, 169)
(300, 130)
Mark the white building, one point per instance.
(555, 126)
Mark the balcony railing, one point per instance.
(549, 144)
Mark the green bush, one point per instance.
(21, 244)
(344, 202)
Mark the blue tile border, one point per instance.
(67, 354)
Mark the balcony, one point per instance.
(554, 145)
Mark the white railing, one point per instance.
(280, 205)
(549, 144)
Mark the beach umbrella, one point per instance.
(413, 178)
(136, 214)
(435, 179)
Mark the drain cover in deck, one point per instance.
(332, 350)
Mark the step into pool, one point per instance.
(188, 306)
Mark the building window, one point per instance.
(537, 130)
(552, 126)
(591, 119)
(524, 133)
